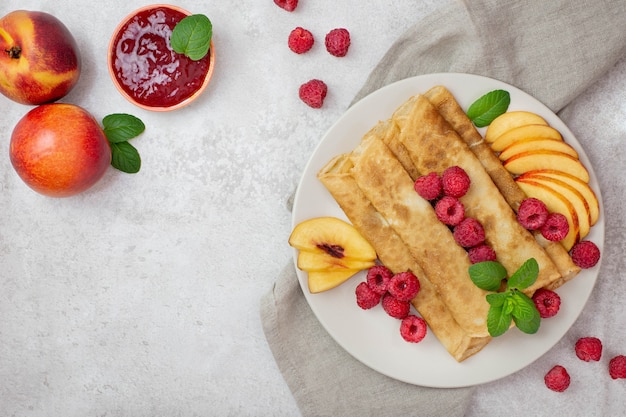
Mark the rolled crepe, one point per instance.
(434, 145)
(451, 111)
(389, 188)
(394, 254)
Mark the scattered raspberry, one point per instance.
(378, 278)
(337, 42)
(450, 210)
(547, 302)
(588, 349)
(557, 379)
(481, 253)
(555, 228)
(313, 93)
(617, 367)
(413, 328)
(289, 5)
(532, 213)
(366, 298)
(300, 40)
(469, 233)
(428, 186)
(455, 181)
(396, 308)
(585, 254)
(404, 286)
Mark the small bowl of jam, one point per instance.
(145, 68)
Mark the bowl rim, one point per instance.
(188, 100)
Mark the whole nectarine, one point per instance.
(59, 149)
(39, 58)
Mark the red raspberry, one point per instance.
(378, 278)
(557, 379)
(394, 307)
(450, 210)
(455, 181)
(469, 233)
(532, 213)
(366, 298)
(428, 186)
(588, 349)
(337, 42)
(313, 93)
(547, 302)
(555, 228)
(481, 253)
(300, 40)
(404, 286)
(289, 5)
(617, 367)
(413, 328)
(585, 254)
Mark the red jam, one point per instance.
(146, 66)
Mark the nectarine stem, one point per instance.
(14, 52)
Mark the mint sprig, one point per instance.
(511, 304)
(119, 128)
(192, 36)
(484, 110)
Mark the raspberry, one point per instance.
(481, 253)
(337, 42)
(366, 298)
(413, 328)
(450, 210)
(378, 278)
(617, 367)
(300, 40)
(588, 349)
(547, 302)
(532, 213)
(585, 254)
(428, 186)
(289, 5)
(469, 233)
(455, 182)
(555, 228)
(404, 286)
(313, 93)
(394, 307)
(557, 379)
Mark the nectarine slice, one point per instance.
(511, 120)
(320, 261)
(533, 160)
(522, 132)
(319, 281)
(536, 144)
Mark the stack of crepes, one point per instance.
(373, 185)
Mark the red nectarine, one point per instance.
(39, 58)
(59, 149)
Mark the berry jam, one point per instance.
(146, 66)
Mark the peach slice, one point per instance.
(323, 262)
(522, 132)
(582, 187)
(534, 160)
(333, 237)
(556, 203)
(323, 281)
(536, 144)
(511, 120)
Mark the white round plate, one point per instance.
(374, 338)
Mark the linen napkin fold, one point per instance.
(552, 50)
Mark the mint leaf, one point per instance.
(498, 321)
(497, 299)
(120, 127)
(525, 315)
(125, 157)
(192, 36)
(487, 275)
(484, 110)
(525, 276)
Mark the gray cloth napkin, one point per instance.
(553, 50)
